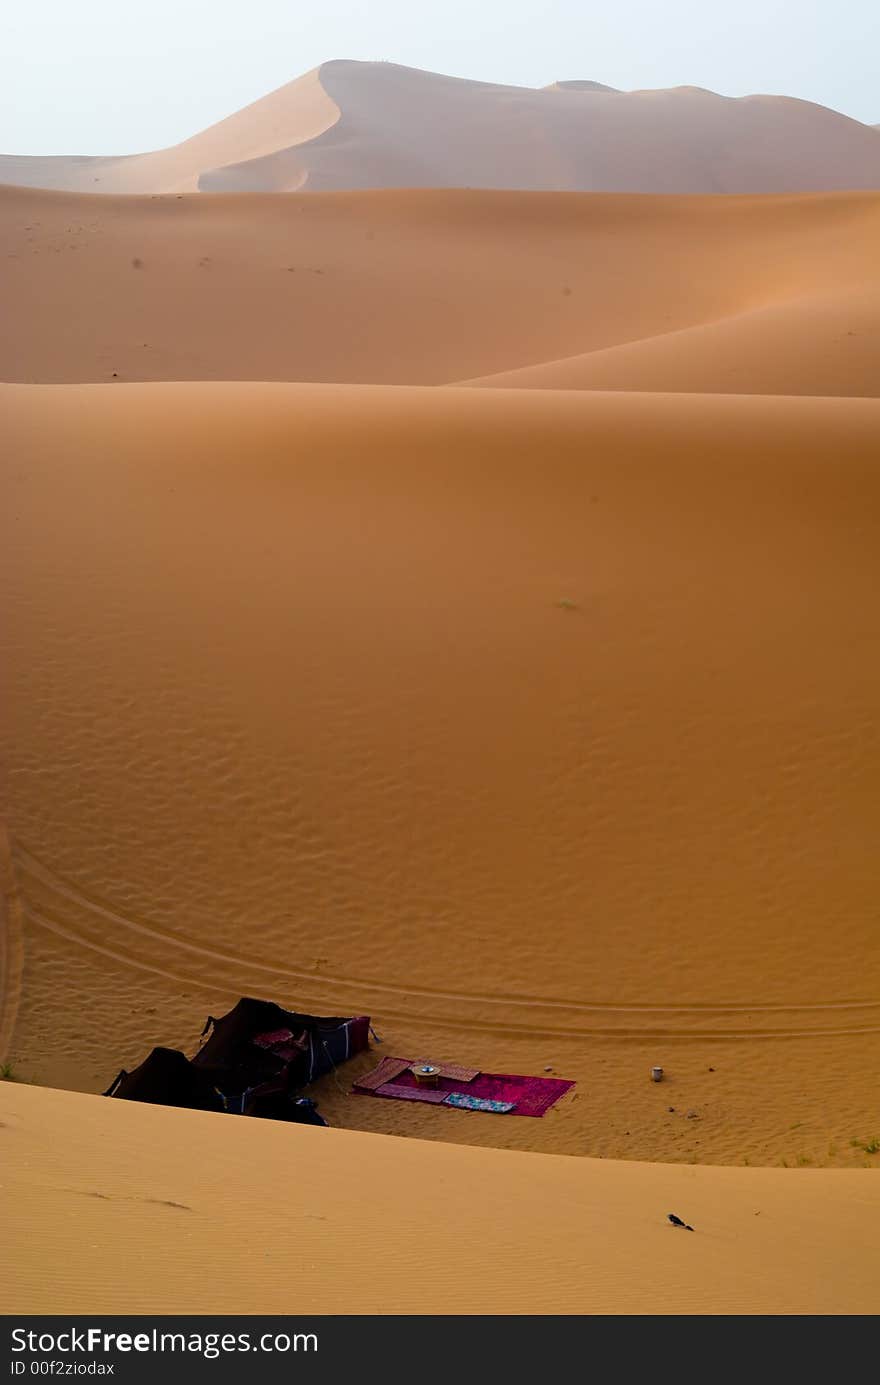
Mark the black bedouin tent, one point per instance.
(255, 1062)
(168, 1078)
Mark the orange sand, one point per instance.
(539, 724)
(774, 295)
(508, 668)
(518, 1234)
(362, 125)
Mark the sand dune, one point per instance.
(502, 1233)
(369, 125)
(438, 578)
(755, 295)
(817, 344)
(539, 724)
(279, 122)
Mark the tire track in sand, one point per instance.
(245, 968)
(11, 946)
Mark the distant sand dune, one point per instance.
(368, 125)
(295, 113)
(745, 295)
(826, 344)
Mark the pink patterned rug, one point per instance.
(430, 1094)
(525, 1096)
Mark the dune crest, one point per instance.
(367, 125)
(820, 344)
(589, 1236)
(774, 295)
(275, 125)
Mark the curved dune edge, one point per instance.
(540, 725)
(820, 345)
(276, 167)
(400, 1226)
(218, 158)
(361, 124)
(430, 287)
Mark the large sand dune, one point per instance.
(748, 295)
(369, 125)
(459, 604)
(400, 1226)
(540, 724)
(295, 113)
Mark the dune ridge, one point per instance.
(817, 344)
(276, 124)
(366, 125)
(503, 1233)
(749, 295)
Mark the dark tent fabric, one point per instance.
(254, 1062)
(258, 1039)
(272, 1101)
(168, 1078)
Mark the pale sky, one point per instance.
(95, 77)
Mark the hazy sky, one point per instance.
(107, 76)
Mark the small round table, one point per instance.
(426, 1074)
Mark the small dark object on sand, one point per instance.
(677, 1221)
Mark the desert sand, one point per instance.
(538, 724)
(516, 1233)
(459, 604)
(380, 125)
(756, 295)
